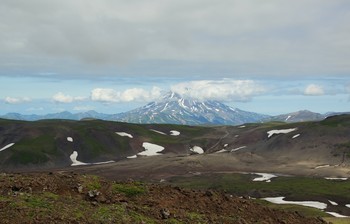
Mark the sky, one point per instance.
(111, 56)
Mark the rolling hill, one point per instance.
(58, 143)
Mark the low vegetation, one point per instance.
(72, 198)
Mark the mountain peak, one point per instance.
(171, 96)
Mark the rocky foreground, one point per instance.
(66, 197)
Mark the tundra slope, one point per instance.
(298, 148)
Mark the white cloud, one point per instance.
(223, 90)
(17, 100)
(129, 95)
(62, 98)
(314, 90)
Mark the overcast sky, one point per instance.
(268, 56)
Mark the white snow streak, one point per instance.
(313, 204)
(124, 134)
(333, 202)
(296, 136)
(236, 149)
(98, 163)
(336, 178)
(220, 151)
(132, 157)
(159, 132)
(282, 131)
(6, 147)
(322, 166)
(288, 118)
(151, 149)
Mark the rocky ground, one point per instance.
(67, 197)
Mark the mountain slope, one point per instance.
(174, 109)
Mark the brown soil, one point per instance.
(63, 197)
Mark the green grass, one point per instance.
(129, 189)
(91, 182)
(334, 220)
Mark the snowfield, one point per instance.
(197, 149)
(75, 162)
(174, 133)
(151, 149)
(313, 204)
(70, 139)
(132, 157)
(6, 147)
(281, 131)
(264, 177)
(124, 134)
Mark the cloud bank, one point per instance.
(62, 98)
(222, 90)
(16, 100)
(134, 94)
(314, 90)
(247, 37)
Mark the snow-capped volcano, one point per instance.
(174, 109)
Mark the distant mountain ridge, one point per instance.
(174, 109)
(298, 116)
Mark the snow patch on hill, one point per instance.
(197, 149)
(174, 133)
(281, 131)
(124, 134)
(151, 149)
(75, 162)
(264, 177)
(313, 204)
